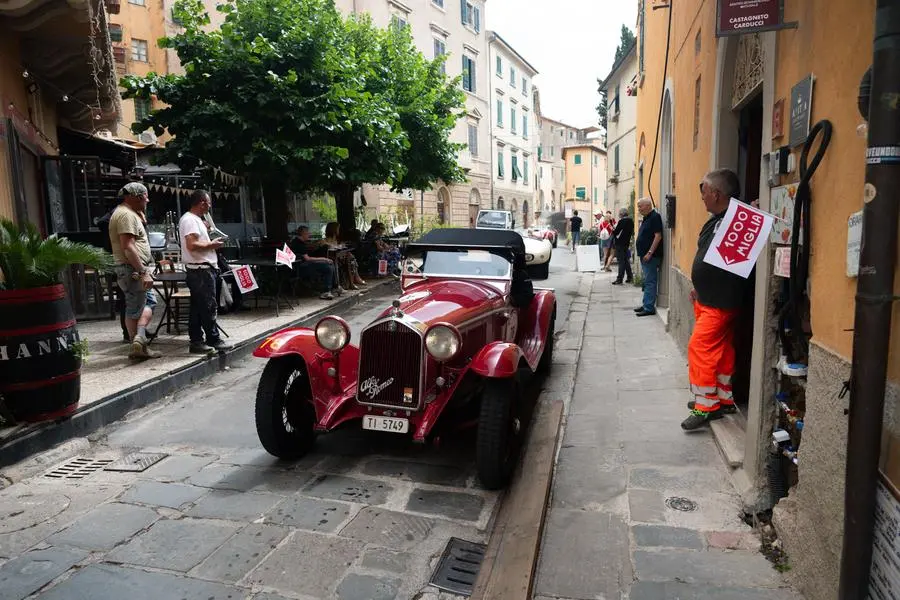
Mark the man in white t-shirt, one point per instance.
(198, 253)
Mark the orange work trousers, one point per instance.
(711, 357)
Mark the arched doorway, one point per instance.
(525, 216)
(500, 203)
(553, 200)
(443, 205)
(665, 188)
(474, 206)
(514, 209)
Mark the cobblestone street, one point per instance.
(364, 517)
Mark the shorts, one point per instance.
(136, 297)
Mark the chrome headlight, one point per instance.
(332, 333)
(529, 257)
(442, 342)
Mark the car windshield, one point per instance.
(459, 263)
(494, 219)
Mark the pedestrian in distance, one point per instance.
(649, 249)
(605, 227)
(621, 236)
(575, 228)
(134, 266)
(717, 296)
(201, 263)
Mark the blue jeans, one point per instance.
(651, 282)
(576, 237)
(324, 270)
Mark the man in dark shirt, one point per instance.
(649, 249)
(621, 236)
(718, 296)
(303, 247)
(575, 228)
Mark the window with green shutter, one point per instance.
(616, 159)
(512, 77)
(468, 74)
(500, 66)
(499, 113)
(577, 159)
(500, 170)
(512, 118)
(580, 193)
(516, 173)
(473, 139)
(525, 168)
(525, 126)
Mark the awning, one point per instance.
(113, 152)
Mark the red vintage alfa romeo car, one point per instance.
(451, 350)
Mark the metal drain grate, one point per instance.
(459, 567)
(78, 468)
(682, 504)
(136, 462)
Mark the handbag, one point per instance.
(604, 234)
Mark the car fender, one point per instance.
(497, 360)
(534, 325)
(301, 341)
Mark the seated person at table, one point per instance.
(386, 251)
(348, 269)
(324, 267)
(372, 233)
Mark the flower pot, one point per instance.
(40, 370)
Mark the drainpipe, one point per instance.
(874, 303)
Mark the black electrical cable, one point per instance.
(662, 98)
(790, 321)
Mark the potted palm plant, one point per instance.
(40, 349)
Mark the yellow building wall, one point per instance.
(837, 185)
(143, 22)
(588, 176)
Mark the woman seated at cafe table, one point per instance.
(305, 249)
(348, 269)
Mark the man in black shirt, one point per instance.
(718, 296)
(621, 236)
(649, 249)
(575, 228)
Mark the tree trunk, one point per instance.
(276, 210)
(343, 200)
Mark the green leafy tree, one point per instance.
(626, 41)
(603, 107)
(288, 94)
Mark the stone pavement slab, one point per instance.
(649, 536)
(29, 572)
(177, 545)
(382, 559)
(416, 472)
(177, 467)
(236, 506)
(109, 582)
(309, 562)
(105, 527)
(453, 505)
(681, 591)
(243, 551)
(171, 495)
(367, 587)
(741, 569)
(348, 489)
(311, 514)
(585, 555)
(388, 528)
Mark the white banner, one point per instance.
(283, 259)
(740, 238)
(245, 279)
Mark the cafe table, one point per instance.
(281, 276)
(169, 281)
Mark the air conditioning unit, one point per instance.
(148, 137)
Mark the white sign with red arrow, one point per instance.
(739, 239)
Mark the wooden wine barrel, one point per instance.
(40, 374)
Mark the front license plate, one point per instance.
(386, 424)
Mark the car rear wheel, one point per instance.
(547, 357)
(500, 431)
(285, 416)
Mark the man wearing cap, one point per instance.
(134, 265)
(201, 264)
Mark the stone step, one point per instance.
(729, 436)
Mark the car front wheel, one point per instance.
(285, 416)
(500, 432)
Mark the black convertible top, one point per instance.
(474, 238)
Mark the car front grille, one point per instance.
(390, 366)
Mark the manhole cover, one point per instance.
(682, 504)
(136, 462)
(459, 567)
(78, 468)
